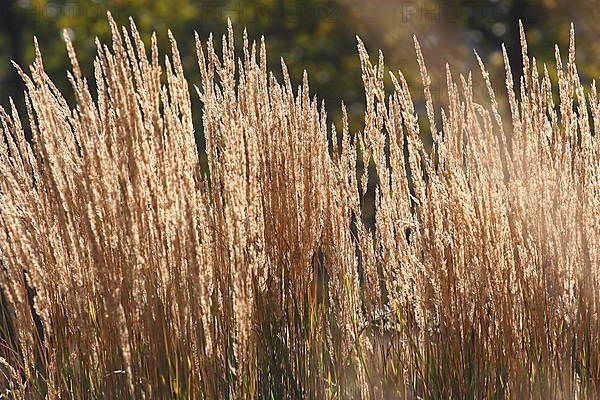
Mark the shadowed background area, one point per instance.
(318, 36)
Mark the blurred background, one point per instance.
(316, 35)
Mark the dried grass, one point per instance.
(127, 272)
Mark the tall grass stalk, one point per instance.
(128, 272)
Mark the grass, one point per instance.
(128, 271)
